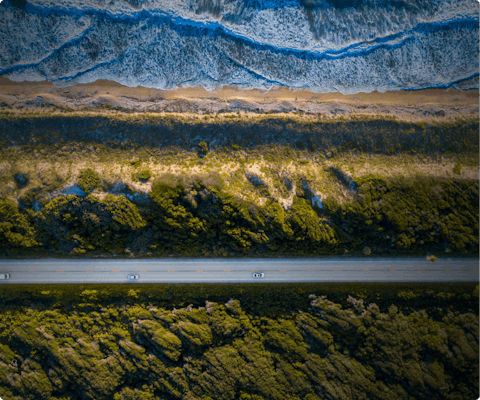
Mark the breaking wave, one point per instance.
(348, 46)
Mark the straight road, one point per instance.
(241, 270)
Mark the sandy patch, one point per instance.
(408, 105)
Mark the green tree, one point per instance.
(306, 224)
(124, 213)
(145, 175)
(146, 393)
(88, 180)
(15, 229)
(171, 214)
(202, 149)
(72, 223)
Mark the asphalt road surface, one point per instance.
(241, 270)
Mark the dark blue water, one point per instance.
(322, 45)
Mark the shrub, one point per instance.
(88, 180)
(367, 250)
(457, 169)
(75, 225)
(51, 180)
(407, 295)
(28, 198)
(202, 149)
(136, 163)
(432, 258)
(213, 180)
(166, 188)
(144, 175)
(306, 224)
(15, 230)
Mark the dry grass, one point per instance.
(49, 150)
(272, 164)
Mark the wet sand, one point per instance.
(102, 94)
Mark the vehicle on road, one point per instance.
(132, 277)
(4, 276)
(258, 275)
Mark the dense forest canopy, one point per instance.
(194, 215)
(117, 342)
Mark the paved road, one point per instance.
(241, 270)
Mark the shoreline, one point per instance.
(107, 95)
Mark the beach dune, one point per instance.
(108, 95)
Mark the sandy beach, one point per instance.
(104, 95)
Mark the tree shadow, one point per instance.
(345, 180)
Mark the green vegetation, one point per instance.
(76, 225)
(142, 176)
(145, 175)
(202, 149)
(88, 180)
(457, 169)
(263, 341)
(323, 152)
(136, 163)
(305, 186)
(195, 215)
(15, 229)
(359, 134)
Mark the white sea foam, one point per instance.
(166, 44)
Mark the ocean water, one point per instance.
(348, 46)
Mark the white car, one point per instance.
(4, 276)
(132, 277)
(259, 275)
